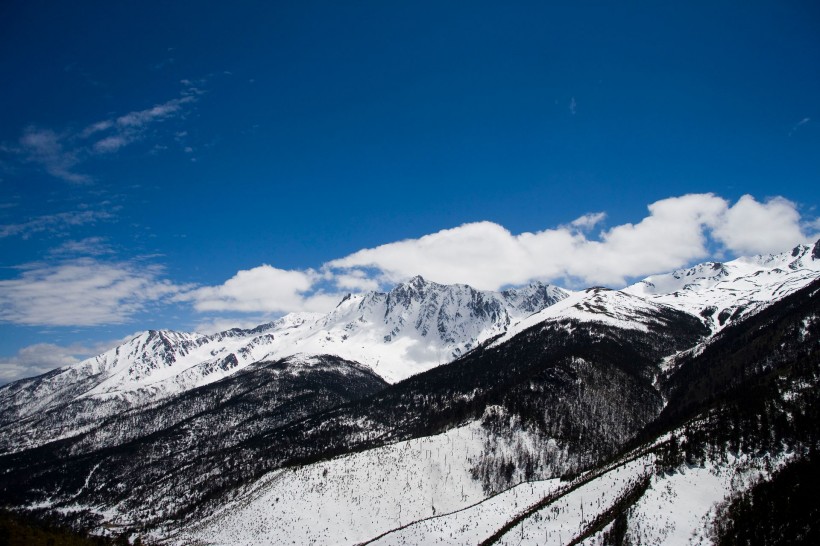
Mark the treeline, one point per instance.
(27, 530)
(753, 389)
(784, 510)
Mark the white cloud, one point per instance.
(158, 112)
(81, 292)
(813, 227)
(90, 246)
(34, 360)
(213, 325)
(588, 221)
(111, 144)
(55, 223)
(61, 153)
(356, 280)
(40, 358)
(675, 233)
(798, 125)
(263, 289)
(48, 149)
(750, 227)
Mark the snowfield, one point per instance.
(717, 291)
(353, 498)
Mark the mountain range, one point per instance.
(660, 413)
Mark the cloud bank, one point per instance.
(263, 289)
(675, 232)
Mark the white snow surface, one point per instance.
(743, 285)
(679, 508)
(421, 492)
(416, 326)
(352, 498)
(569, 516)
(475, 523)
(601, 305)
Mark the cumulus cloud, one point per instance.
(674, 233)
(750, 227)
(263, 289)
(81, 292)
(356, 280)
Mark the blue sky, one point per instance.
(177, 165)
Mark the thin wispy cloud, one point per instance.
(83, 292)
(62, 153)
(89, 246)
(40, 358)
(798, 125)
(55, 223)
(588, 221)
(573, 106)
(52, 151)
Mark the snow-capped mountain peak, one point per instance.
(414, 327)
(420, 324)
(723, 292)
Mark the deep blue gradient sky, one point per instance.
(292, 134)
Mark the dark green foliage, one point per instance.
(783, 511)
(28, 530)
(753, 389)
(670, 455)
(616, 535)
(204, 422)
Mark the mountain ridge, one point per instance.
(602, 394)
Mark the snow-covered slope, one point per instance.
(598, 305)
(723, 292)
(352, 498)
(420, 492)
(412, 328)
(250, 436)
(149, 367)
(416, 326)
